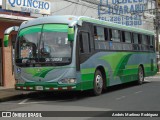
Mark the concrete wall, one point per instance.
(8, 77)
(61, 7)
(68, 8)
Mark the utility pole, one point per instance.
(157, 29)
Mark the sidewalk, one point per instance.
(8, 94)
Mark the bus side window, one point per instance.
(139, 38)
(81, 43)
(84, 42)
(140, 42)
(123, 36)
(135, 41)
(127, 37)
(106, 34)
(151, 40)
(135, 38)
(99, 33)
(151, 43)
(115, 35)
(144, 40)
(110, 34)
(95, 33)
(148, 40)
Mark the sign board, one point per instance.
(126, 12)
(30, 6)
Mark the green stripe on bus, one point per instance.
(30, 30)
(88, 76)
(55, 28)
(87, 70)
(38, 72)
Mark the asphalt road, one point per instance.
(128, 97)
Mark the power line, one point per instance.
(74, 8)
(91, 2)
(85, 11)
(62, 8)
(97, 3)
(112, 7)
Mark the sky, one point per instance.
(0, 2)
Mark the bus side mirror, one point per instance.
(70, 34)
(6, 39)
(7, 32)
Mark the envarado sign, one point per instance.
(30, 6)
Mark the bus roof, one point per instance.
(69, 19)
(61, 19)
(115, 25)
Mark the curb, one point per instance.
(10, 97)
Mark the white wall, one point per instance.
(67, 8)
(62, 7)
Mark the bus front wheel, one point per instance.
(140, 75)
(98, 83)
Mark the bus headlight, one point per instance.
(67, 81)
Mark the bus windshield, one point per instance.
(43, 45)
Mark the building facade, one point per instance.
(8, 19)
(136, 13)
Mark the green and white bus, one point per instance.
(60, 53)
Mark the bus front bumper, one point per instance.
(45, 87)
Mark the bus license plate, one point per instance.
(39, 87)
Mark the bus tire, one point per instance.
(98, 83)
(140, 75)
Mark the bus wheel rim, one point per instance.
(99, 82)
(141, 75)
